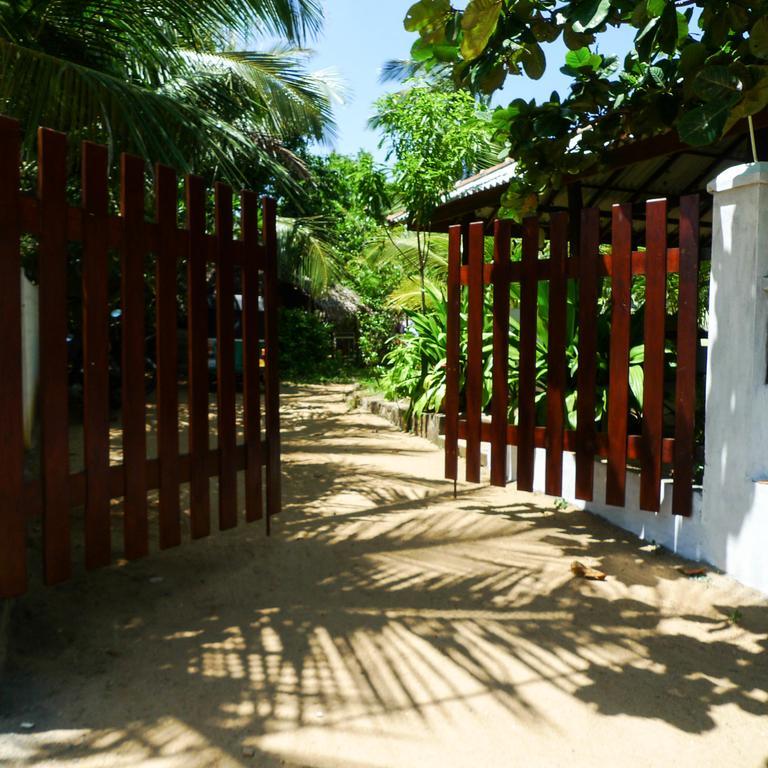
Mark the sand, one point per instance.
(387, 624)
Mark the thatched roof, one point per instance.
(339, 303)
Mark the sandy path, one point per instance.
(386, 624)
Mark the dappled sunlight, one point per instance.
(386, 623)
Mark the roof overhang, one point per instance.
(632, 173)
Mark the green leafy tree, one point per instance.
(696, 66)
(343, 208)
(167, 79)
(434, 138)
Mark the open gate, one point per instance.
(665, 437)
(90, 237)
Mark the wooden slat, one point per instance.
(54, 393)
(13, 543)
(527, 365)
(167, 357)
(653, 369)
(225, 358)
(135, 521)
(474, 385)
(98, 546)
(453, 338)
(197, 357)
(488, 270)
(687, 341)
(570, 441)
(272, 374)
(32, 490)
(545, 268)
(587, 370)
(500, 402)
(556, 363)
(251, 355)
(618, 383)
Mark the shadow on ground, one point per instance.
(387, 624)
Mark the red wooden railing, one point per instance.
(588, 266)
(48, 217)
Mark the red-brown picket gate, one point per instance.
(49, 218)
(587, 264)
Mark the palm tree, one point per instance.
(163, 78)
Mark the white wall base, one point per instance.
(684, 536)
(740, 552)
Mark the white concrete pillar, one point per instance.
(735, 502)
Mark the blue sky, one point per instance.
(360, 35)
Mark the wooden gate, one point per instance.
(133, 246)
(587, 264)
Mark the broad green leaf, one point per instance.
(655, 7)
(637, 354)
(425, 12)
(492, 79)
(534, 61)
(575, 40)
(716, 82)
(657, 75)
(704, 124)
(478, 24)
(636, 380)
(754, 101)
(544, 31)
(421, 50)
(583, 58)
(692, 57)
(428, 18)
(758, 38)
(590, 15)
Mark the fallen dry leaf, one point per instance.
(691, 572)
(585, 572)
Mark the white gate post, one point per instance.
(735, 502)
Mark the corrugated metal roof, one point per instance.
(631, 173)
(496, 176)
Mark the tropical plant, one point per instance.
(347, 201)
(166, 79)
(306, 258)
(421, 259)
(697, 67)
(434, 137)
(306, 345)
(426, 339)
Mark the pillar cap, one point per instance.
(745, 175)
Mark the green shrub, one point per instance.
(306, 345)
(426, 340)
(376, 330)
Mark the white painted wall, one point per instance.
(735, 509)
(684, 536)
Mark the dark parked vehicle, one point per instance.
(238, 334)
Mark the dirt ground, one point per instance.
(386, 624)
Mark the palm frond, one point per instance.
(306, 258)
(154, 22)
(181, 123)
(401, 246)
(273, 92)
